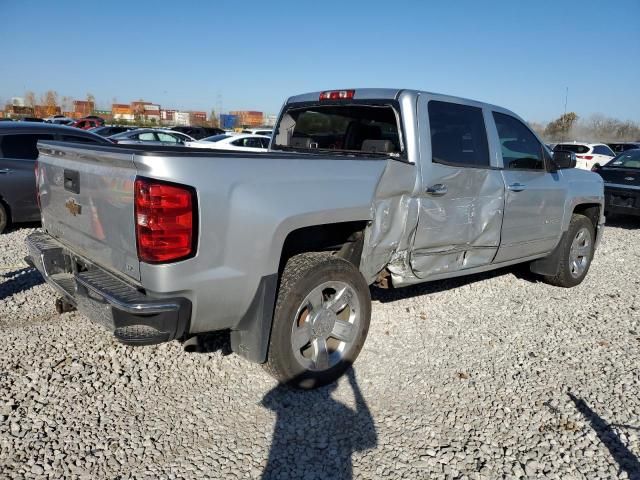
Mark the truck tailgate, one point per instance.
(87, 202)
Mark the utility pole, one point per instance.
(219, 107)
(564, 117)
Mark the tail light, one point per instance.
(337, 95)
(585, 157)
(166, 221)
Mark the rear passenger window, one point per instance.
(22, 146)
(520, 148)
(165, 137)
(147, 136)
(603, 150)
(458, 135)
(253, 142)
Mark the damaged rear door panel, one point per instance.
(460, 229)
(462, 197)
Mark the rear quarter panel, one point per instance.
(248, 204)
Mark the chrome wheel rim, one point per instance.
(580, 252)
(325, 326)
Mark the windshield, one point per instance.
(215, 138)
(350, 128)
(628, 159)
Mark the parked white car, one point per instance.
(151, 136)
(588, 155)
(242, 142)
(258, 131)
(59, 120)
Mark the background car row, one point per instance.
(18, 153)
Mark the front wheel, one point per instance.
(577, 252)
(321, 320)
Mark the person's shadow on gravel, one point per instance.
(624, 457)
(18, 281)
(315, 435)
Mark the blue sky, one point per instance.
(252, 55)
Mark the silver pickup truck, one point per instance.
(359, 187)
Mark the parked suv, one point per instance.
(588, 155)
(623, 146)
(18, 153)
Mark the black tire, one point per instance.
(301, 275)
(566, 276)
(4, 218)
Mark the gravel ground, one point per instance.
(490, 376)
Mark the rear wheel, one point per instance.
(577, 252)
(4, 218)
(320, 322)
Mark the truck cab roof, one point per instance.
(393, 94)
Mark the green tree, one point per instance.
(559, 128)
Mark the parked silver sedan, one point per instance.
(151, 136)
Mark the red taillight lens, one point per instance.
(165, 221)
(585, 157)
(337, 95)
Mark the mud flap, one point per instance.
(250, 338)
(549, 264)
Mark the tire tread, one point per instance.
(296, 269)
(563, 278)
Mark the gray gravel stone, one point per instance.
(491, 376)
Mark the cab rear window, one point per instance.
(349, 128)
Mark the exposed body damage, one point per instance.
(394, 213)
(461, 231)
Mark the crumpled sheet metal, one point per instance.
(395, 215)
(415, 237)
(462, 230)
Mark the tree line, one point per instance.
(595, 128)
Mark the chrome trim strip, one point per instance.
(619, 185)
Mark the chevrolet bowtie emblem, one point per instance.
(74, 207)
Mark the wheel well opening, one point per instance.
(345, 238)
(589, 210)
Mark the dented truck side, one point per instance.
(462, 188)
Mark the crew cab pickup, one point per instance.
(359, 187)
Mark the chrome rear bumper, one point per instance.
(123, 308)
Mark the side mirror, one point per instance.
(564, 159)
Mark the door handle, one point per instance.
(437, 190)
(5, 170)
(517, 187)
